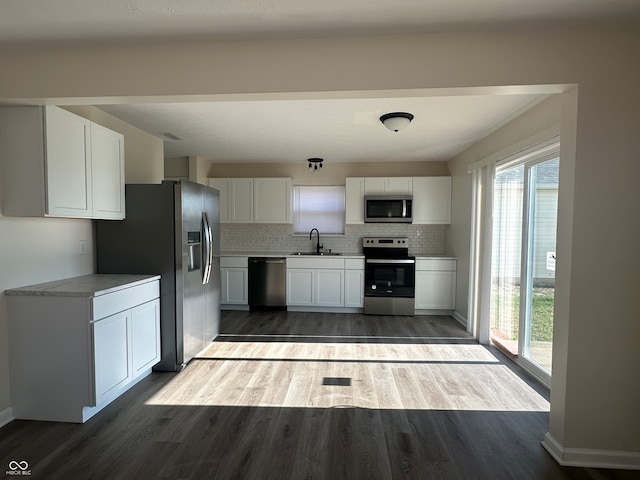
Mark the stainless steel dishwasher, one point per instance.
(267, 283)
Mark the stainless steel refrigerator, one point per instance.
(171, 229)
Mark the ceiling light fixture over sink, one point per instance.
(396, 121)
(315, 163)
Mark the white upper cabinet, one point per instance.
(222, 185)
(432, 200)
(67, 162)
(399, 186)
(388, 185)
(354, 200)
(48, 161)
(272, 200)
(241, 200)
(236, 199)
(254, 200)
(107, 173)
(375, 185)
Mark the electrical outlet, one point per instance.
(83, 247)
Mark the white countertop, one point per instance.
(287, 254)
(85, 286)
(342, 255)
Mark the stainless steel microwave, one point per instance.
(388, 209)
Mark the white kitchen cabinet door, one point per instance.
(432, 200)
(113, 367)
(353, 288)
(58, 168)
(145, 336)
(107, 172)
(376, 185)
(399, 186)
(222, 185)
(435, 290)
(300, 284)
(329, 288)
(354, 200)
(235, 286)
(68, 164)
(241, 200)
(272, 200)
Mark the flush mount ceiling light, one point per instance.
(315, 163)
(396, 121)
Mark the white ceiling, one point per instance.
(338, 130)
(345, 130)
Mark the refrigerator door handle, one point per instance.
(208, 252)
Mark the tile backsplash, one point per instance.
(269, 237)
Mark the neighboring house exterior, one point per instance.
(508, 205)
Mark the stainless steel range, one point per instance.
(389, 272)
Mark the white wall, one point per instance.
(35, 250)
(596, 387)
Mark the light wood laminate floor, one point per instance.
(314, 396)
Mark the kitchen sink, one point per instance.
(321, 254)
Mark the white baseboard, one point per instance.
(591, 458)
(6, 416)
(459, 318)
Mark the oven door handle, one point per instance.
(389, 260)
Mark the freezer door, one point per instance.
(190, 310)
(213, 287)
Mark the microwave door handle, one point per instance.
(404, 209)
(208, 253)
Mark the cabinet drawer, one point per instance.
(234, 262)
(111, 303)
(311, 262)
(354, 263)
(436, 264)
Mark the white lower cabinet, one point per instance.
(329, 289)
(145, 336)
(234, 273)
(435, 284)
(112, 357)
(325, 282)
(300, 287)
(74, 352)
(125, 346)
(354, 282)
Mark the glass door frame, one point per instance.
(483, 184)
(527, 265)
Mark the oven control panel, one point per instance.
(385, 242)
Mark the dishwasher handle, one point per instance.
(266, 260)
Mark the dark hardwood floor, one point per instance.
(314, 396)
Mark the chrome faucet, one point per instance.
(318, 246)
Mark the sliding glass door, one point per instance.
(506, 257)
(525, 205)
(540, 237)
